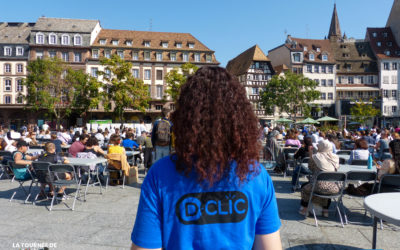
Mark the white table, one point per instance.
(132, 153)
(35, 151)
(85, 162)
(345, 157)
(385, 206)
(344, 168)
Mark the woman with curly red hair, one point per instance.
(212, 192)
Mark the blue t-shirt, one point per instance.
(175, 212)
(128, 143)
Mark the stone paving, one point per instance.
(105, 222)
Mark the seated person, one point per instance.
(78, 146)
(292, 140)
(390, 166)
(381, 146)
(114, 145)
(21, 158)
(360, 151)
(51, 156)
(117, 156)
(130, 143)
(92, 145)
(57, 143)
(302, 153)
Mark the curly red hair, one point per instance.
(214, 124)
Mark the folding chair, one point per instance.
(4, 167)
(36, 147)
(330, 177)
(304, 160)
(55, 170)
(130, 158)
(116, 159)
(90, 172)
(41, 169)
(364, 176)
(343, 152)
(288, 160)
(390, 182)
(359, 162)
(267, 160)
(22, 174)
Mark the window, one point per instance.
(323, 83)
(179, 45)
(107, 73)
(323, 69)
(323, 96)
(94, 71)
(128, 43)
(147, 55)
(159, 107)
(296, 57)
(120, 53)
(19, 99)
(102, 41)
(159, 91)
(77, 40)
(159, 74)
(52, 54)
(7, 68)
(387, 52)
(197, 57)
(185, 57)
(324, 57)
(20, 51)
(7, 99)
(390, 44)
(173, 56)
(255, 91)
(146, 43)
(330, 96)
(316, 68)
(386, 80)
(350, 80)
(164, 44)
(394, 94)
(107, 54)
(360, 79)
(312, 57)
(95, 53)
(7, 85)
(394, 66)
(379, 44)
(114, 42)
(309, 68)
(135, 73)
(159, 56)
(65, 56)
(52, 38)
(39, 54)
(39, 38)
(208, 58)
(385, 93)
(65, 40)
(330, 69)
(374, 34)
(385, 34)
(305, 48)
(191, 45)
(394, 79)
(20, 68)
(147, 74)
(7, 51)
(20, 87)
(317, 81)
(340, 79)
(394, 109)
(330, 83)
(135, 55)
(77, 57)
(371, 79)
(350, 94)
(318, 49)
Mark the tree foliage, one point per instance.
(291, 93)
(122, 90)
(177, 77)
(362, 111)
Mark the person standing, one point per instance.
(161, 135)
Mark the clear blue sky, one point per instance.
(226, 26)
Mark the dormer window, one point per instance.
(65, 39)
(387, 52)
(379, 44)
(389, 44)
(128, 43)
(120, 53)
(52, 38)
(191, 45)
(374, 34)
(77, 40)
(164, 44)
(102, 41)
(305, 48)
(318, 49)
(7, 51)
(385, 34)
(179, 45)
(20, 51)
(311, 57)
(146, 43)
(325, 57)
(114, 42)
(39, 38)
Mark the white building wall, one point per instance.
(14, 77)
(389, 85)
(328, 78)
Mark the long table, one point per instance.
(85, 162)
(344, 168)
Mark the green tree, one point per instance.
(49, 88)
(177, 77)
(291, 93)
(362, 111)
(122, 90)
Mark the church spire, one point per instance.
(334, 30)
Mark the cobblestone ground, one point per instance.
(105, 222)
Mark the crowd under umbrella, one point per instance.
(308, 121)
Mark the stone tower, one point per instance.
(334, 30)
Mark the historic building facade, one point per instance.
(253, 70)
(14, 53)
(153, 55)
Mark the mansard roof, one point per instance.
(17, 33)
(384, 37)
(314, 46)
(240, 64)
(65, 25)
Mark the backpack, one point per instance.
(163, 133)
